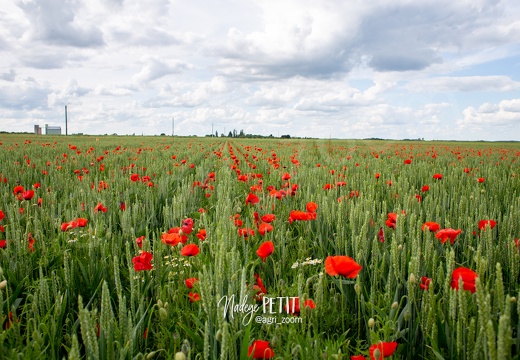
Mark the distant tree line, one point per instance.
(242, 134)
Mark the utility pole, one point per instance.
(66, 129)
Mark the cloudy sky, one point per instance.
(433, 69)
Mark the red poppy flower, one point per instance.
(79, 222)
(381, 235)
(293, 305)
(252, 199)
(425, 188)
(437, 176)
(309, 303)
(171, 238)
(260, 350)
(286, 176)
(392, 217)
(237, 220)
(178, 231)
(327, 186)
(139, 241)
(357, 357)
(301, 215)
(342, 265)
(143, 261)
(122, 206)
(201, 235)
(18, 189)
(265, 249)
(28, 195)
(134, 177)
(431, 225)
(446, 234)
(483, 224)
(190, 250)
(391, 222)
(36, 185)
(481, 179)
(190, 282)
(425, 283)
(2, 215)
(268, 218)
(407, 161)
(259, 288)
(3, 244)
(468, 277)
(10, 321)
(311, 206)
(68, 225)
(100, 207)
(265, 228)
(187, 226)
(31, 242)
(194, 297)
(386, 349)
(245, 232)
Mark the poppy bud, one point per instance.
(412, 278)
(163, 314)
(274, 341)
(400, 247)
(151, 355)
(179, 356)
(159, 303)
(512, 300)
(185, 347)
(296, 350)
(407, 315)
(371, 322)
(394, 305)
(377, 353)
(357, 288)
(3, 284)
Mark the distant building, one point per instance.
(37, 130)
(52, 130)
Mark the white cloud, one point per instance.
(504, 114)
(353, 69)
(465, 84)
(27, 94)
(69, 92)
(155, 69)
(8, 75)
(60, 23)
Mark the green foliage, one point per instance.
(75, 293)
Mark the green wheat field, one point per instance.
(226, 248)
